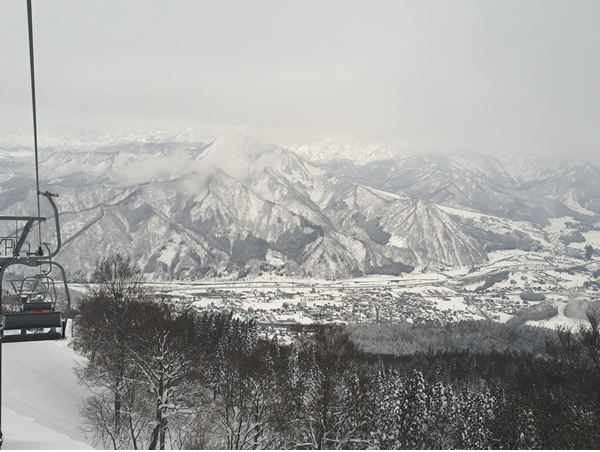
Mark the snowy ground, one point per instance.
(40, 397)
(560, 320)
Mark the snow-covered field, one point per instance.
(40, 397)
(446, 296)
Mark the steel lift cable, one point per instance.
(34, 110)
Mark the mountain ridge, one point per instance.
(524, 188)
(232, 208)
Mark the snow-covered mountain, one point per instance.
(519, 188)
(231, 207)
(20, 140)
(573, 183)
(333, 149)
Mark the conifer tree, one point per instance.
(474, 411)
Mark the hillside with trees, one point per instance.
(167, 378)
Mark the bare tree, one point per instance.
(103, 329)
(331, 392)
(246, 394)
(99, 417)
(107, 316)
(143, 365)
(167, 358)
(590, 340)
(580, 347)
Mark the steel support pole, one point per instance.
(1, 341)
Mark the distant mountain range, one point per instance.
(233, 207)
(518, 188)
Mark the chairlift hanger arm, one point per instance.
(30, 221)
(24, 232)
(23, 237)
(49, 196)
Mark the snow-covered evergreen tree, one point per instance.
(402, 405)
(474, 411)
(442, 419)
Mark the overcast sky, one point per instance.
(492, 76)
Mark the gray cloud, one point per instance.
(494, 76)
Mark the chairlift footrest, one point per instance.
(33, 320)
(30, 337)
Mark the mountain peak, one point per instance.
(333, 149)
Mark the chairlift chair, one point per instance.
(36, 293)
(37, 318)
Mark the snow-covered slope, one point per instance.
(40, 397)
(572, 183)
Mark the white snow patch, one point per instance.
(559, 320)
(41, 397)
(570, 200)
(274, 258)
(168, 254)
(399, 242)
(25, 433)
(557, 223)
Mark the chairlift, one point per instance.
(38, 318)
(37, 296)
(36, 293)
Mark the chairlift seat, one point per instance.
(37, 320)
(30, 320)
(42, 306)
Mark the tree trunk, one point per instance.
(154, 438)
(163, 431)
(160, 427)
(118, 404)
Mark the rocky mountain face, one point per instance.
(522, 188)
(231, 207)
